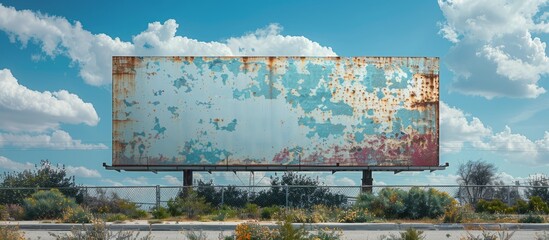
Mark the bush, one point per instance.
(15, 212)
(76, 215)
(225, 212)
(409, 234)
(99, 230)
(355, 216)
(457, 214)
(388, 203)
(253, 231)
(47, 205)
(160, 213)
(117, 217)
(44, 176)
(268, 213)
(396, 203)
(4, 215)
(11, 233)
(537, 205)
(105, 204)
(250, 211)
(532, 219)
(493, 206)
(191, 206)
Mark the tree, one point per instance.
(305, 193)
(539, 186)
(16, 186)
(473, 177)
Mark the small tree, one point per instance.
(44, 176)
(477, 174)
(539, 186)
(308, 195)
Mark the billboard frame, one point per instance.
(273, 167)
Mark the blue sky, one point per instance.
(55, 97)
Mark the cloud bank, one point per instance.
(495, 52)
(92, 52)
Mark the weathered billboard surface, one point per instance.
(275, 112)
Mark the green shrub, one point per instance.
(355, 216)
(412, 234)
(532, 219)
(388, 203)
(268, 213)
(191, 206)
(250, 211)
(160, 213)
(4, 214)
(537, 205)
(225, 212)
(492, 206)
(76, 215)
(396, 203)
(116, 217)
(11, 233)
(47, 205)
(521, 207)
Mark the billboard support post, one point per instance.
(367, 181)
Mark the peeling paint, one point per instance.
(307, 111)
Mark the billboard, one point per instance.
(275, 113)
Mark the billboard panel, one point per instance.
(266, 112)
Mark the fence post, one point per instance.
(509, 195)
(157, 196)
(287, 195)
(222, 195)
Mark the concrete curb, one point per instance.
(230, 226)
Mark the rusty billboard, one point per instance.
(275, 113)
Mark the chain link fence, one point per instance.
(284, 196)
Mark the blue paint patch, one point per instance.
(230, 127)
(173, 110)
(182, 82)
(155, 103)
(323, 130)
(196, 152)
(129, 104)
(158, 93)
(375, 77)
(224, 78)
(159, 129)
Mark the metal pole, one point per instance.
(157, 196)
(222, 195)
(367, 181)
(287, 195)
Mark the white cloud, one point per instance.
(494, 52)
(111, 182)
(82, 172)
(457, 129)
(58, 139)
(9, 164)
(23, 109)
(92, 52)
(172, 180)
(441, 179)
(136, 181)
(79, 171)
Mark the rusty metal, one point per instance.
(272, 113)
